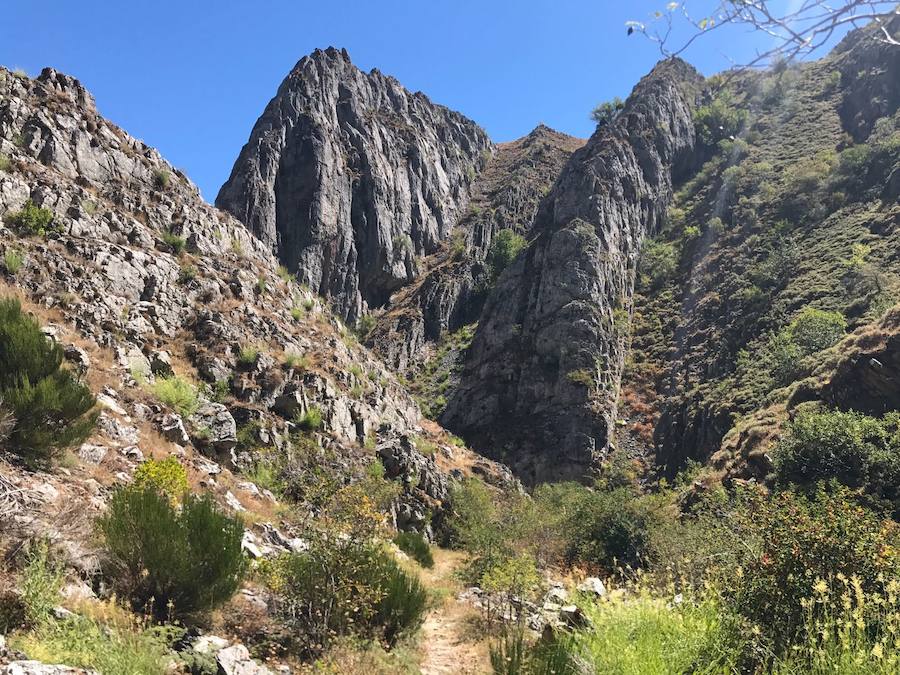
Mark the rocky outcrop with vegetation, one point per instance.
(541, 378)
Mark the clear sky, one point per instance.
(190, 77)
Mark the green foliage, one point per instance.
(364, 325)
(31, 219)
(659, 260)
(791, 542)
(416, 547)
(285, 274)
(311, 420)
(506, 245)
(161, 179)
(41, 583)
(247, 356)
(343, 587)
(718, 120)
(5, 163)
(607, 111)
(114, 642)
(612, 527)
(170, 561)
(187, 274)
(166, 476)
(51, 409)
(261, 285)
(855, 449)
(177, 393)
(644, 633)
(295, 361)
(780, 360)
(814, 329)
(13, 260)
(582, 376)
(175, 243)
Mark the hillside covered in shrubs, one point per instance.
(628, 405)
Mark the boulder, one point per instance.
(235, 660)
(214, 427)
(172, 428)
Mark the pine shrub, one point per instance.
(51, 409)
(171, 561)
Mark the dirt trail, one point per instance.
(449, 644)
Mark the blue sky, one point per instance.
(191, 77)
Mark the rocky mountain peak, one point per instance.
(349, 178)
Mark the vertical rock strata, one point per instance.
(350, 179)
(542, 375)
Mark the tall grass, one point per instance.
(102, 637)
(646, 629)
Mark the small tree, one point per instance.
(607, 111)
(51, 409)
(504, 249)
(170, 561)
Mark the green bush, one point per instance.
(170, 561)
(5, 163)
(187, 274)
(116, 642)
(41, 583)
(161, 179)
(247, 356)
(364, 325)
(344, 588)
(51, 409)
(791, 542)
(718, 120)
(31, 219)
(175, 243)
(311, 420)
(609, 528)
(166, 476)
(855, 449)
(504, 249)
(416, 547)
(659, 260)
(177, 393)
(814, 329)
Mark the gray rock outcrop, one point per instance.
(350, 178)
(541, 377)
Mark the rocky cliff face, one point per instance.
(350, 179)
(541, 378)
(453, 286)
(140, 280)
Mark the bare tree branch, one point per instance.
(795, 33)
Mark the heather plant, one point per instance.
(171, 561)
